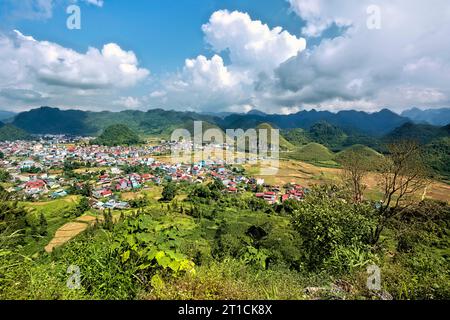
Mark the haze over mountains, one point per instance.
(4, 115)
(437, 117)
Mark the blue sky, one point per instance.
(278, 56)
(162, 33)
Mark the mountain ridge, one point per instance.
(437, 117)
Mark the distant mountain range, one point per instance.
(5, 115)
(437, 117)
(374, 124)
(336, 131)
(47, 120)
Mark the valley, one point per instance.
(142, 224)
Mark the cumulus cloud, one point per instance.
(250, 43)
(128, 102)
(396, 66)
(405, 63)
(26, 59)
(255, 50)
(31, 67)
(203, 85)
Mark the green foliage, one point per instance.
(169, 192)
(233, 247)
(117, 135)
(13, 223)
(149, 248)
(326, 222)
(437, 156)
(32, 170)
(79, 209)
(312, 152)
(43, 225)
(4, 176)
(140, 202)
(298, 137)
(371, 158)
(9, 132)
(420, 133)
(327, 134)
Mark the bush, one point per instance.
(169, 192)
(327, 223)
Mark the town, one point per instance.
(44, 169)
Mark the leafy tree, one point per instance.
(169, 192)
(12, 221)
(43, 225)
(32, 170)
(81, 207)
(4, 176)
(326, 223)
(108, 222)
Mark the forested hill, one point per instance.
(9, 132)
(437, 117)
(375, 124)
(46, 120)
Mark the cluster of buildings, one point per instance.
(37, 169)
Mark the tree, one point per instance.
(169, 192)
(43, 225)
(81, 208)
(4, 176)
(86, 190)
(403, 174)
(12, 221)
(354, 168)
(326, 224)
(108, 223)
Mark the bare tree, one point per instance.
(403, 174)
(354, 168)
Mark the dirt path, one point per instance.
(69, 231)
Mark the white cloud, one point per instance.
(254, 50)
(128, 102)
(250, 43)
(98, 3)
(35, 72)
(404, 64)
(29, 60)
(213, 73)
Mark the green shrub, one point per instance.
(326, 223)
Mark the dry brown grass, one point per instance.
(308, 175)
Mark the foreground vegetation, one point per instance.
(205, 244)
